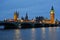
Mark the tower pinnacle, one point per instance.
(52, 8)
(26, 17)
(16, 15)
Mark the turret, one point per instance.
(16, 15)
(26, 17)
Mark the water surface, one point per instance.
(50, 33)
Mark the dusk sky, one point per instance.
(32, 7)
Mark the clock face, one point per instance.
(52, 12)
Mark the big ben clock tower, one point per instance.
(52, 15)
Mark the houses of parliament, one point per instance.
(25, 19)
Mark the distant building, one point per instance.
(52, 17)
(26, 17)
(39, 18)
(16, 15)
(22, 18)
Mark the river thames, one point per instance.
(49, 33)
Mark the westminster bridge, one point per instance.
(15, 25)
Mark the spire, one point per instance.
(26, 17)
(16, 13)
(52, 8)
(26, 14)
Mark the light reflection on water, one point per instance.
(33, 34)
(17, 35)
(50, 33)
(43, 33)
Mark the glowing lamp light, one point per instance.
(21, 20)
